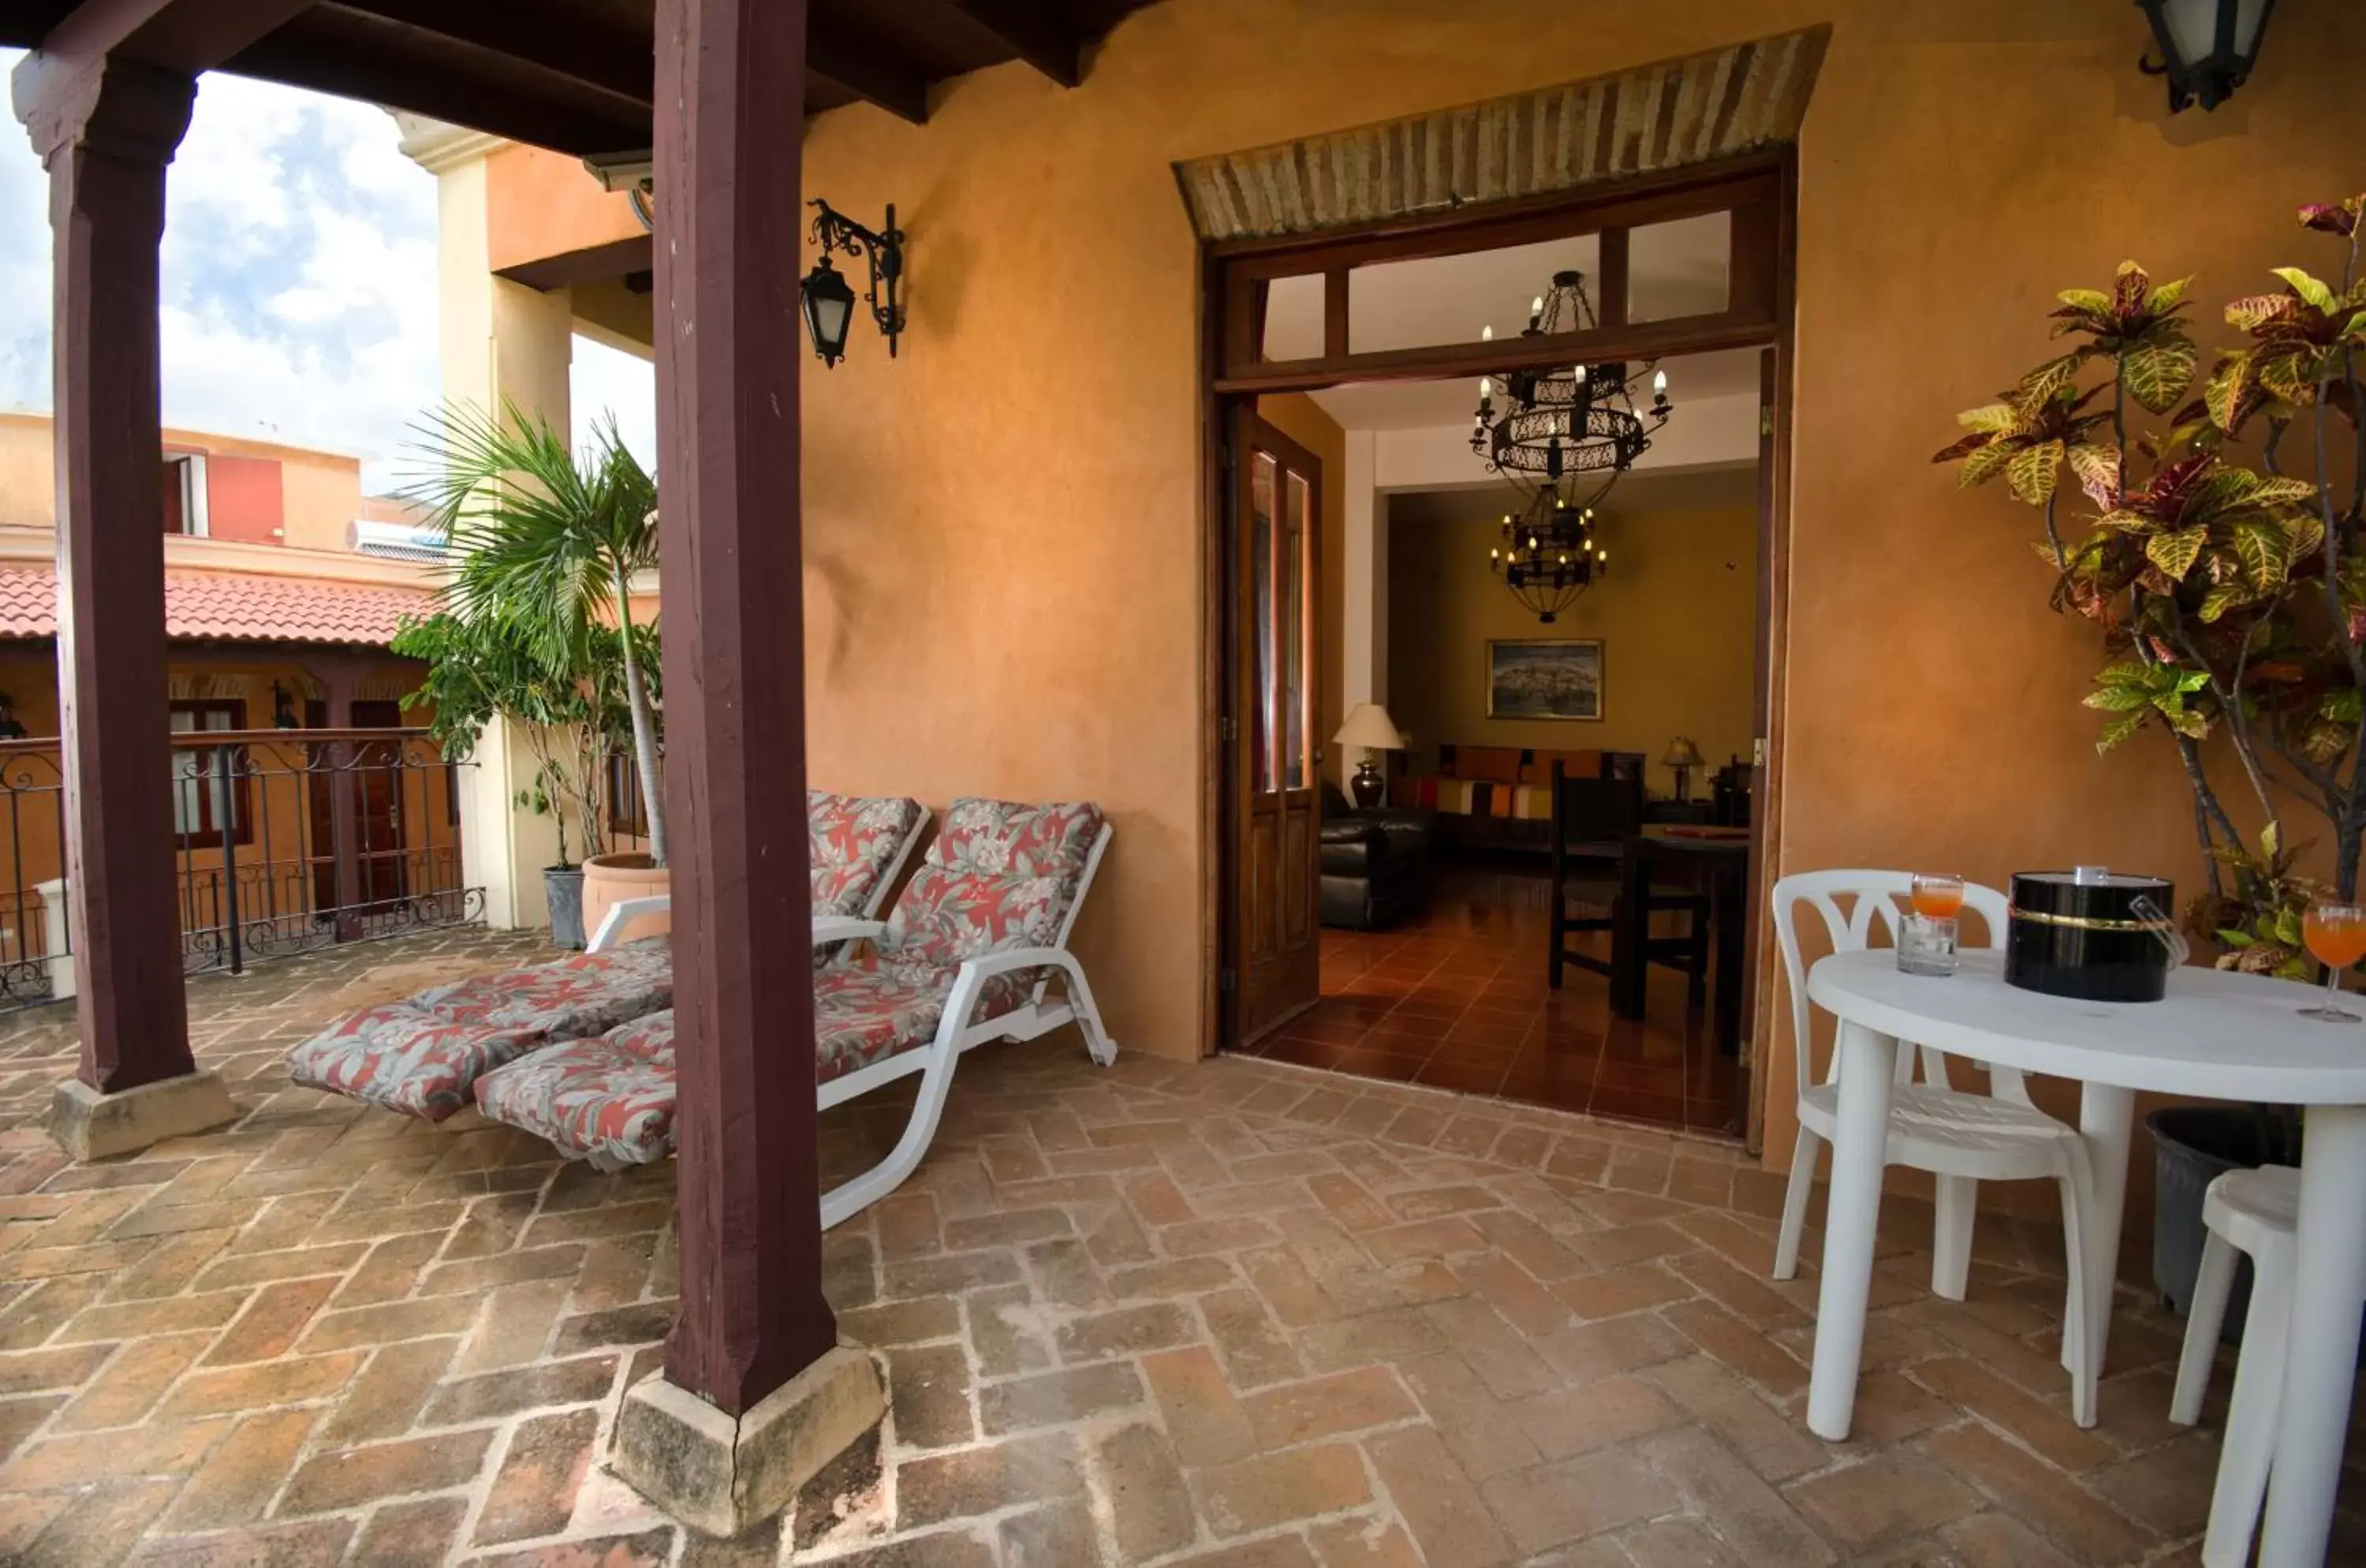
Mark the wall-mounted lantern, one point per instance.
(2207, 47)
(827, 300)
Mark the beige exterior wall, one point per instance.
(500, 343)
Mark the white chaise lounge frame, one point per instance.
(623, 911)
(955, 1035)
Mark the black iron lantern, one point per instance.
(2207, 47)
(827, 300)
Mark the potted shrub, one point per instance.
(555, 541)
(2218, 556)
(485, 668)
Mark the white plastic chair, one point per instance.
(1962, 1137)
(2258, 1212)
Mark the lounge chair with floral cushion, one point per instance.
(969, 955)
(856, 846)
(421, 1055)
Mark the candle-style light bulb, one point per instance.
(1580, 374)
(1486, 388)
(1536, 306)
(1660, 381)
(1486, 335)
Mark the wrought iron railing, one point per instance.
(285, 840)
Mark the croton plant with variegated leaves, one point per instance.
(2218, 553)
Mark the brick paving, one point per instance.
(1231, 1315)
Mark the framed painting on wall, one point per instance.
(1545, 679)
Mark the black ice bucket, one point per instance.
(2091, 934)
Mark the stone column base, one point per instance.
(91, 1125)
(722, 1475)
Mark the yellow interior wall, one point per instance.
(1676, 617)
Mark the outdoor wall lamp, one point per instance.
(2207, 47)
(827, 300)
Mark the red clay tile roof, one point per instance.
(234, 605)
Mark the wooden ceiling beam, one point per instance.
(902, 92)
(183, 36)
(1035, 33)
(624, 67)
(355, 54)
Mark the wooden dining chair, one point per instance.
(1961, 1136)
(1591, 819)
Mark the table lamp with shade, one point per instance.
(1369, 727)
(1683, 757)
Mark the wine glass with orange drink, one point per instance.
(2335, 935)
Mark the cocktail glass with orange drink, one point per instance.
(1926, 942)
(1937, 897)
(2335, 935)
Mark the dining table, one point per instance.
(1715, 860)
(2218, 1034)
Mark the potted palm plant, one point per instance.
(487, 668)
(553, 541)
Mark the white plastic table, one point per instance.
(2221, 1035)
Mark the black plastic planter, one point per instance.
(2193, 1144)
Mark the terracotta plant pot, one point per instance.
(611, 879)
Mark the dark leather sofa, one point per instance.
(1375, 863)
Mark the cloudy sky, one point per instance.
(299, 281)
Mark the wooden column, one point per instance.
(730, 121)
(105, 129)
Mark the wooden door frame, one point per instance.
(1445, 232)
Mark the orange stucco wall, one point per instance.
(542, 204)
(1003, 525)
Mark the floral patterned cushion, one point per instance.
(609, 1100)
(851, 841)
(999, 875)
(421, 1055)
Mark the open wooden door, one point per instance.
(1274, 956)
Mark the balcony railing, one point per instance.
(285, 840)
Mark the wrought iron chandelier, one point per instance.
(1560, 425)
(1550, 554)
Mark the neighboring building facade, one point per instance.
(283, 586)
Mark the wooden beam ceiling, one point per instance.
(867, 74)
(574, 75)
(1035, 33)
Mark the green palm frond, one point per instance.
(537, 535)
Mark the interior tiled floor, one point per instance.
(1456, 999)
(1223, 1314)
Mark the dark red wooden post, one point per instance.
(106, 129)
(730, 121)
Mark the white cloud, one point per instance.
(299, 288)
(299, 297)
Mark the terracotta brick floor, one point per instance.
(1455, 999)
(1236, 1313)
